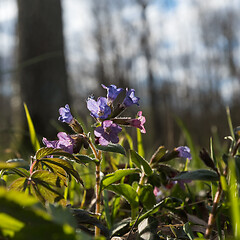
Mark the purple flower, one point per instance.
(138, 123)
(112, 92)
(184, 152)
(65, 114)
(50, 144)
(65, 142)
(107, 133)
(99, 108)
(130, 98)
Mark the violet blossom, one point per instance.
(107, 132)
(99, 108)
(184, 152)
(112, 92)
(130, 98)
(65, 114)
(65, 142)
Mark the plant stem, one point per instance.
(141, 182)
(98, 196)
(212, 215)
(98, 156)
(217, 198)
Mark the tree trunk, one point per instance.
(42, 68)
(152, 93)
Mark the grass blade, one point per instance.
(33, 136)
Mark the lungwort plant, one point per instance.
(135, 197)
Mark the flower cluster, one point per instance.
(104, 112)
(106, 117)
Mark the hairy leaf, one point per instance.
(116, 176)
(115, 148)
(48, 177)
(158, 154)
(45, 152)
(140, 162)
(44, 192)
(127, 192)
(201, 174)
(58, 171)
(146, 196)
(65, 164)
(19, 184)
(84, 159)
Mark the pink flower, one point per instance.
(138, 122)
(158, 194)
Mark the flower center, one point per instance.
(100, 113)
(108, 130)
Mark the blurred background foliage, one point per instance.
(182, 57)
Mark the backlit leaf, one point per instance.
(66, 165)
(116, 176)
(48, 177)
(127, 192)
(140, 162)
(19, 184)
(158, 154)
(115, 148)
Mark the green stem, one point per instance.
(98, 156)
(98, 196)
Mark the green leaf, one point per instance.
(158, 154)
(44, 192)
(45, 152)
(128, 193)
(148, 229)
(84, 159)
(121, 227)
(48, 177)
(11, 165)
(29, 220)
(146, 196)
(66, 165)
(201, 174)
(140, 162)
(233, 193)
(59, 171)
(116, 148)
(84, 217)
(116, 176)
(32, 132)
(16, 197)
(151, 211)
(9, 223)
(21, 172)
(19, 184)
(61, 215)
(169, 155)
(139, 143)
(21, 162)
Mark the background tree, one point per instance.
(42, 68)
